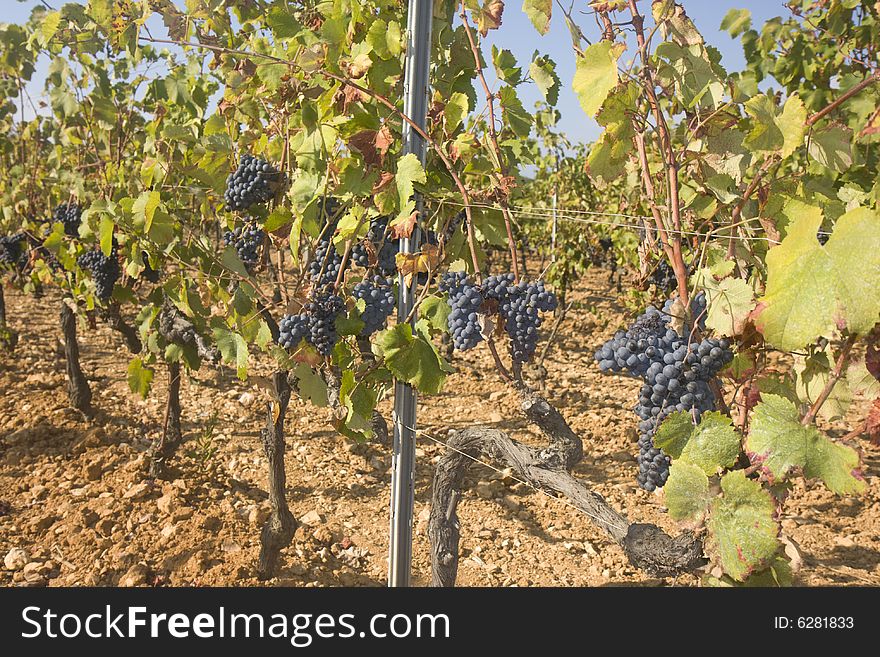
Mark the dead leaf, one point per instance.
(385, 179)
(490, 16)
(404, 227)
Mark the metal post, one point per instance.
(415, 106)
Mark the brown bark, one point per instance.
(172, 435)
(647, 547)
(279, 528)
(78, 391)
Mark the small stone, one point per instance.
(323, 536)
(844, 541)
(16, 559)
(167, 503)
(496, 417)
(246, 399)
(136, 576)
(182, 514)
(104, 527)
(228, 545)
(94, 471)
(257, 515)
(495, 396)
(212, 523)
(137, 491)
(311, 518)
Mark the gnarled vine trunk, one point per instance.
(279, 528)
(647, 547)
(113, 316)
(8, 337)
(78, 391)
(172, 435)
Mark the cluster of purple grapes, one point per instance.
(317, 325)
(385, 249)
(663, 276)
(675, 375)
(12, 251)
(70, 215)
(251, 183)
(378, 296)
(105, 271)
(465, 301)
(246, 242)
(518, 304)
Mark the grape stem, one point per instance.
(493, 136)
(835, 375)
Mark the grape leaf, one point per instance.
(455, 111)
(743, 530)
(409, 171)
(596, 74)
(539, 12)
(543, 71)
(737, 21)
(233, 348)
(830, 147)
(860, 380)
(710, 445)
(812, 374)
(854, 247)
(687, 493)
(411, 358)
(435, 311)
(792, 123)
(139, 377)
(781, 444)
(310, 386)
(730, 302)
(793, 310)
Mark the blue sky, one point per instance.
(518, 36)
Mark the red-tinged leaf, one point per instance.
(364, 142)
(404, 227)
(872, 423)
(872, 360)
(384, 140)
(384, 180)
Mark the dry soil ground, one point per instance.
(75, 498)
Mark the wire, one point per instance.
(563, 215)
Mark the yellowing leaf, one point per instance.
(596, 74)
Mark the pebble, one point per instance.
(16, 559)
(311, 518)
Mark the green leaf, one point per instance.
(854, 247)
(830, 147)
(278, 218)
(814, 291)
(730, 302)
(780, 443)
(505, 66)
(711, 445)
(283, 24)
(792, 123)
(687, 493)
(543, 71)
(539, 12)
(105, 231)
(799, 292)
(144, 208)
(49, 25)
(139, 377)
(409, 171)
(233, 348)
(742, 525)
(455, 111)
(519, 120)
(765, 134)
(737, 21)
(232, 262)
(596, 75)
(411, 358)
(435, 311)
(310, 386)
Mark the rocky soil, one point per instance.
(77, 508)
